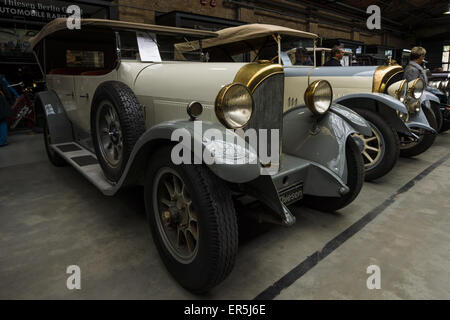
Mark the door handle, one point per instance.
(85, 96)
(69, 94)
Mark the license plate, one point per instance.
(292, 194)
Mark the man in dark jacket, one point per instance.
(336, 56)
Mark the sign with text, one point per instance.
(33, 10)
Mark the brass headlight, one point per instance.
(399, 90)
(234, 106)
(416, 88)
(319, 96)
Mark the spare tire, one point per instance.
(117, 122)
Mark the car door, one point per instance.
(63, 85)
(85, 86)
(98, 61)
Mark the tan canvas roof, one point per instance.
(61, 24)
(246, 32)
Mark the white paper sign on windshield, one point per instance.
(148, 49)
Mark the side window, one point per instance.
(81, 53)
(129, 48)
(86, 59)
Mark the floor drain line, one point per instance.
(312, 260)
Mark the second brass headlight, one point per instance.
(234, 106)
(319, 96)
(416, 88)
(399, 90)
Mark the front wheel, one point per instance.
(355, 179)
(382, 149)
(193, 222)
(410, 147)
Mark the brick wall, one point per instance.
(144, 11)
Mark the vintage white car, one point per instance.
(125, 107)
(399, 113)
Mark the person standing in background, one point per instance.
(336, 56)
(414, 69)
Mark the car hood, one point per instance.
(185, 81)
(296, 71)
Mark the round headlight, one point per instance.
(234, 106)
(399, 90)
(319, 96)
(416, 88)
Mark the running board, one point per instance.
(86, 163)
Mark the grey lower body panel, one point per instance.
(295, 177)
(86, 163)
(295, 174)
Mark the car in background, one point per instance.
(439, 85)
(401, 120)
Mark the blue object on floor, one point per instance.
(3, 132)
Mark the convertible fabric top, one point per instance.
(245, 32)
(61, 24)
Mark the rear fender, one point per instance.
(59, 125)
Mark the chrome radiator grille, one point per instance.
(268, 112)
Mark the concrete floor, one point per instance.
(51, 218)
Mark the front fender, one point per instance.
(380, 97)
(188, 136)
(428, 96)
(321, 140)
(419, 120)
(384, 105)
(354, 119)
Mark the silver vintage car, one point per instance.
(125, 107)
(399, 113)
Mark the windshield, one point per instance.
(264, 48)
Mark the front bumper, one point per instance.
(295, 178)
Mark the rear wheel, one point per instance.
(193, 222)
(382, 149)
(410, 147)
(355, 179)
